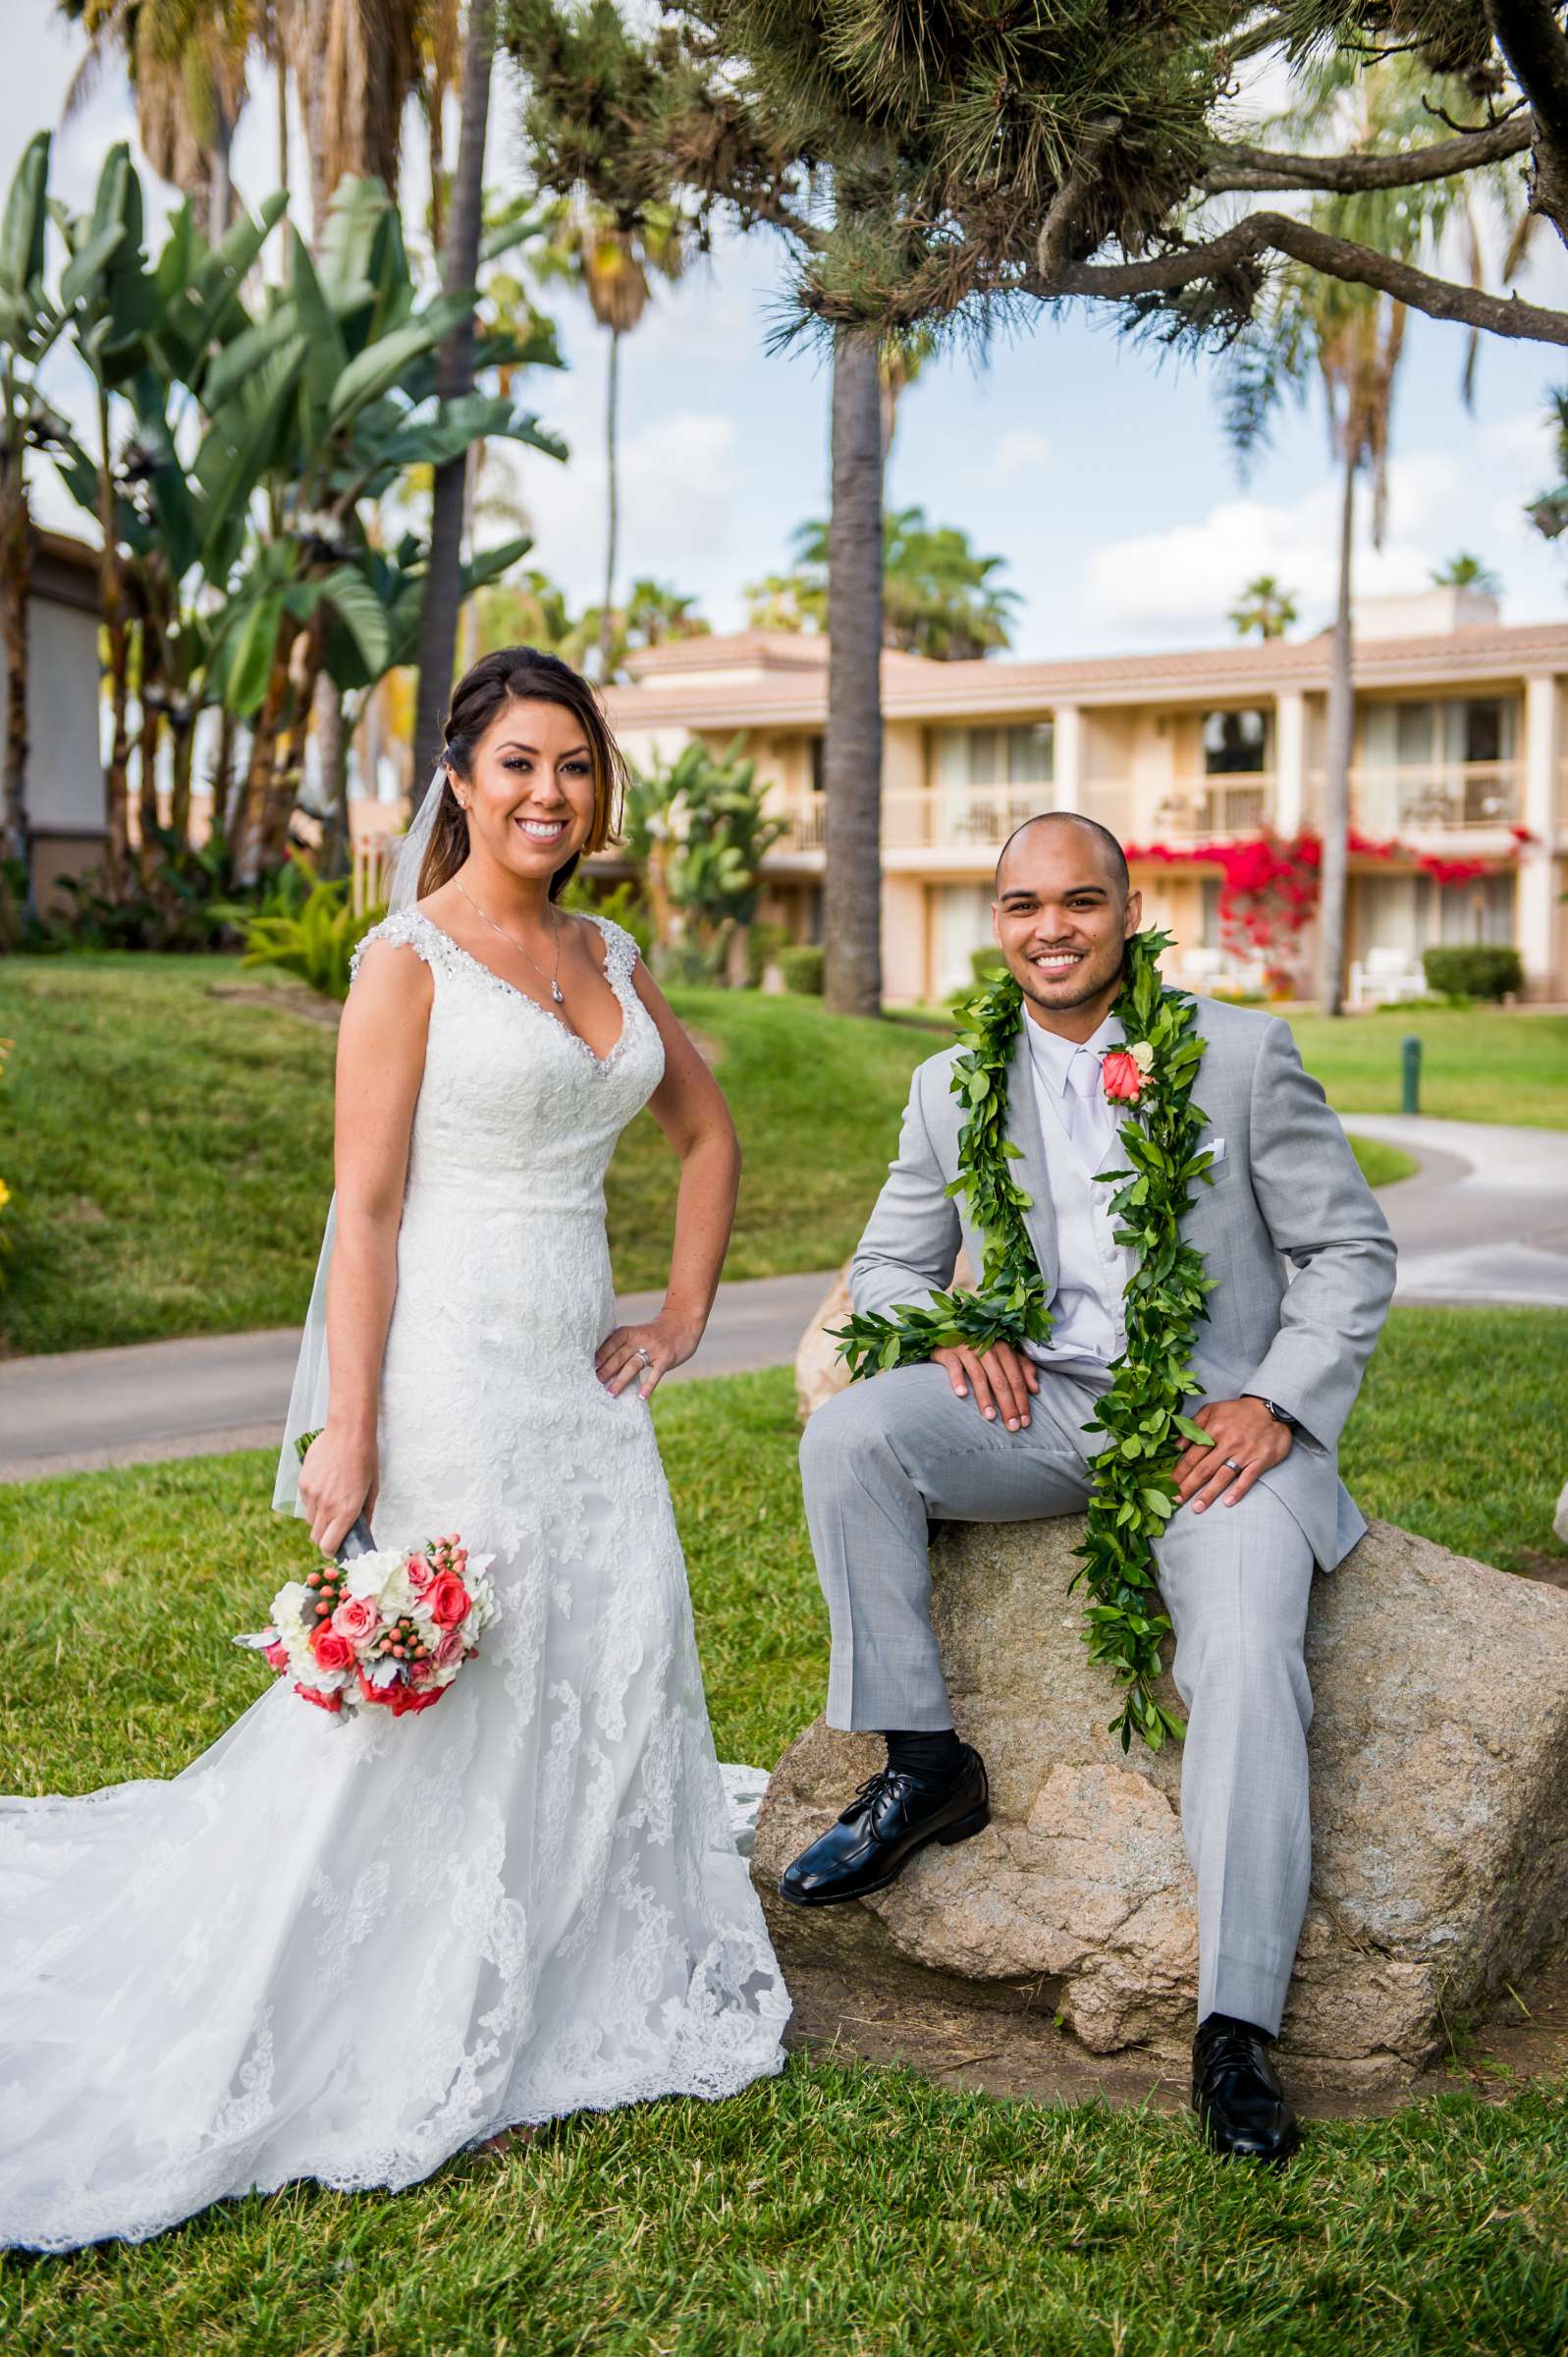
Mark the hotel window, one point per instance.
(1022, 756)
(1481, 910)
(1234, 742)
(1439, 763)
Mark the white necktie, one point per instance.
(1087, 1112)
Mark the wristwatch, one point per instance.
(1281, 1415)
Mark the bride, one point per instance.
(345, 1952)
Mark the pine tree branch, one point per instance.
(1057, 230)
(1336, 258)
(1261, 168)
(1530, 34)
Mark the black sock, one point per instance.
(1234, 2021)
(929, 1754)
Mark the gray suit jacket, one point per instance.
(1285, 1188)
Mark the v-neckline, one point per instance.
(600, 1063)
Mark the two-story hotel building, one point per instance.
(1459, 759)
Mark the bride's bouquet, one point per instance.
(382, 1631)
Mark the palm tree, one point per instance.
(900, 361)
(1265, 607)
(937, 597)
(355, 64)
(1351, 338)
(459, 267)
(30, 324)
(613, 265)
(186, 64)
(1466, 572)
(656, 613)
(851, 897)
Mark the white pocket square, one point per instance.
(1215, 1149)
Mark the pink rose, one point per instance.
(449, 1648)
(332, 1651)
(404, 1699)
(447, 1600)
(323, 1702)
(357, 1619)
(421, 1571)
(1123, 1079)
(277, 1655)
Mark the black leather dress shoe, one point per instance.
(892, 1816)
(1236, 2093)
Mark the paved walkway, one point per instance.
(77, 1410)
(1486, 1219)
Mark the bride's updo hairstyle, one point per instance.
(514, 675)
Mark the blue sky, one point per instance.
(1100, 473)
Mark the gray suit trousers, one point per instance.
(886, 1457)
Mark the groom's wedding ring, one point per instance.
(1234, 1467)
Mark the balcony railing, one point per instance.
(959, 818)
(803, 823)
(977, 817)
(1214, 808)
(1435, 796)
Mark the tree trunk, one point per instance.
(110, 589)
(149, 740)
(332, 753)
(254, 825)
(853, 754)
(184, 747)
(220, 193)
(606, 612)
(220, 783)
(1337, 776)
(332, 743)
(1530, 34)
(438, 617)
(15, 581)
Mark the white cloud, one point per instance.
(1021, 452)
(1177, 585)
(679, 480)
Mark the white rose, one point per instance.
(1143, 1057)
(368, 1574)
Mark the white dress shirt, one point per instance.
(1080, 1132)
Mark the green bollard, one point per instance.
(1410, 1092)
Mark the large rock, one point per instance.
(1439, 1812)
(819, 1369)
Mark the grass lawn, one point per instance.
(840, 2209)
(1486, 1065)
(170, 1152)
(1381, 1164)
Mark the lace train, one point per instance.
(347, 1951)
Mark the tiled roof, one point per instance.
(794, 687)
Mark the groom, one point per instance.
(1000, 1438)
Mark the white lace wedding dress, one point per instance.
(344, 1952)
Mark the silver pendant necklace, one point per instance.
(556, 991)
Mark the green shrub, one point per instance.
(623, 905)
(1479, 971)
(763, 945)
(801, 967)
(317, 942)
(181, 897)
(985, 963)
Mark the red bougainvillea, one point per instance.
(1268, 886)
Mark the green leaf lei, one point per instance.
(1135, 1493)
